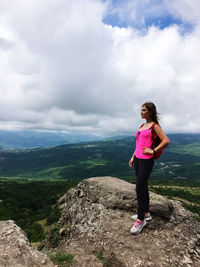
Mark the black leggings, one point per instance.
(143, 168)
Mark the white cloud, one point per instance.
(62, 68)
(186, 9)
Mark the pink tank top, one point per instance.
(143, 139)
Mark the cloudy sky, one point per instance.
(89, 65)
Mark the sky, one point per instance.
(88, 65)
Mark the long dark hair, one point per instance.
(152, 108)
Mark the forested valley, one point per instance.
(33, 180)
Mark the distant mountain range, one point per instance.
(108, 157)
(29, 139)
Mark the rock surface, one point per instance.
(15, 249)
(97, 219)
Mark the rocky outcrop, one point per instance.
(97, 219)
(15, 249)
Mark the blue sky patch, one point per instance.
(141, 15)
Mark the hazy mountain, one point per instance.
(30, 139)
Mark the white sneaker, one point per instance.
(146, 217)
(138, 226)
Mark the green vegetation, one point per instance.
(188, 194)
(61, 258)
(193, 208)
(188, 144)
(53, 235)
(109, 157)
(102, 259)
(31, 181)
(32, 205)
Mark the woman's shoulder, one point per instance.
(155, 125)
(155, 128)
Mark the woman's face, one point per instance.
(145, 113)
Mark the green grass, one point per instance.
(61, 258)
(102, 259)
(89, 145)
(193, 208)
(189, 196)
(191, 149)
(89, 164)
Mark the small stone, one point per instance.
(150, 264)
(80, 193)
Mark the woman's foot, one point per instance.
(147, 216)
(138, 226)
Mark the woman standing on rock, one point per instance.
(143, 160)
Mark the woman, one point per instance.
(143, 159)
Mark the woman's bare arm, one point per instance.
(164, 143)
(131, 160)
(165, 140)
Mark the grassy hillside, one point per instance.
(109, 157)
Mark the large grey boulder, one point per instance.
(97, 218)
(15, 249)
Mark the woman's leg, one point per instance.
(143, 169)
(146, 198)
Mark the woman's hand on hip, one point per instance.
(147, 150)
